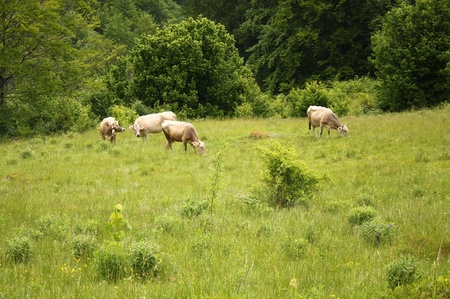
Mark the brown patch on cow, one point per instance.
(259, 135)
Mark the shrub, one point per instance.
(359, 215)
(294, 248)
(377, 232)
(84, 246)
(402, 271)
(111, 262)
(289, 181)
(144, 260)
(123, 114)
(313, 94)
(51, 225)
(19, 249)
(167, 224)
(192, 209)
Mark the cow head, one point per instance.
(200, 147)
(116, 128)
(137, 129)
(343, 130)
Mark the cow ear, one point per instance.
(195, 143)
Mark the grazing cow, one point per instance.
(182, 132)
(108, 128)
(151, 123)
(323, 117)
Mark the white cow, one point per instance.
(323, 117)
(178, 131)
(151, 123)
(108, 128)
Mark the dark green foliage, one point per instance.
(359, 215)
(402, 271)
(144, 260)
(191, 66)
(412, 60)
(19, 249)
(289, 181)
(291, 42)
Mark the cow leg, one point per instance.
(185, 146)
(321, 131)
(329, 130)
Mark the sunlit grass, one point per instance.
(396, 163)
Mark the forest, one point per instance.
(65, 65)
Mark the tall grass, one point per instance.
(398, 164)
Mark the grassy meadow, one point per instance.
(55, 188)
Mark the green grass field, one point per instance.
(55, 188)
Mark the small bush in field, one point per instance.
(294, 248)
(167, 224)
(144, 260)
(192, 209)
(377, 232)
(359, 215)
(289, 181)
(27, 154)
(402, 271)
(51, 225)
(19, 249)
(84, 246)
(111, 262)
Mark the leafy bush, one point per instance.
(377, 232)
(314, 93)
(19, 249)
(318, 94)
(294, 248)
(84, 246)
(123, 114)
(52, 225)
(167, 224)
(111, 262)
(289, 181)
(144, 260)
(402, 271)
(192, 209)
(359, 215)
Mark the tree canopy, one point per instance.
(413, 60)
(193, 65)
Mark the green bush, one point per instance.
(19, 249)
(359, 215)
(52, 225)
(377, 231)
(84, 246)
(192, 209)
(144, 260)
(123, 114)
(289, 181)
(294, 247)
(314, 93)
(167, 224)
(111, 262)
(402, 271)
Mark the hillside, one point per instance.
(55, 189)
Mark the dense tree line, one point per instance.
(64, 64)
